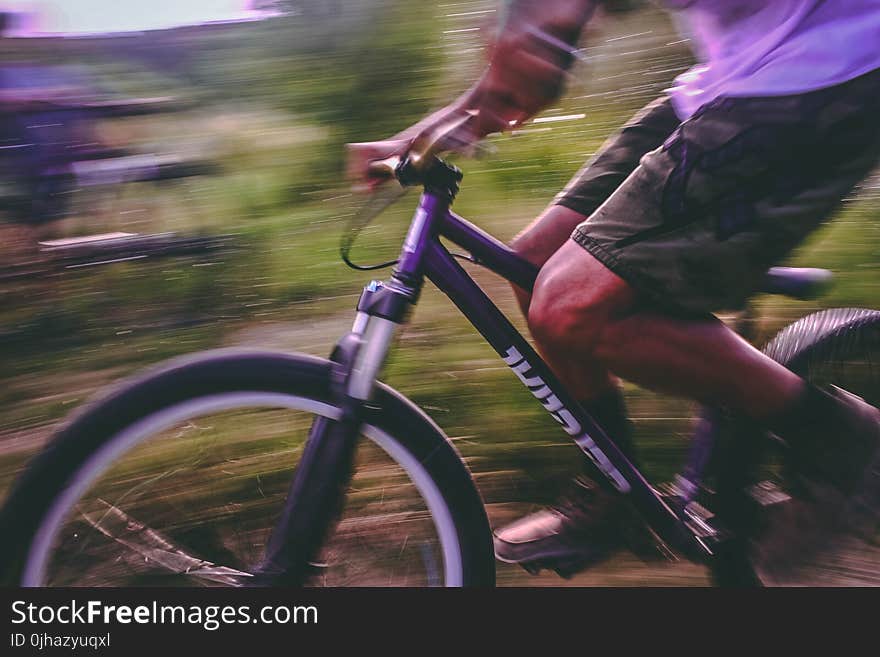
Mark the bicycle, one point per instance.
(402, 501)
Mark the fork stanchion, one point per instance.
(317, 491)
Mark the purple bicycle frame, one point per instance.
(424, 256)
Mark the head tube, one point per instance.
(432, 207)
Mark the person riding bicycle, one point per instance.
(678, 216)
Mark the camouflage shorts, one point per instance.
(693, 214)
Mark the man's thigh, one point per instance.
(575, 287)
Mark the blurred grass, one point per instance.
(274, 104)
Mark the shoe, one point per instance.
(585, 527)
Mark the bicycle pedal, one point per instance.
(768, 493)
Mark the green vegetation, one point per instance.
(274, 104)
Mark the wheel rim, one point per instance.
(121, 444)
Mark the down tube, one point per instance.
(604, 455)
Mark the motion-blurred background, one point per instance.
(186, 192)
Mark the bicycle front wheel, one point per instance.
(177, 479)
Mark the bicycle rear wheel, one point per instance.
(178, 478)
(807, 533)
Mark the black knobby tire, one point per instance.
(840, 346)
(58, 467)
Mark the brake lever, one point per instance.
(384, 169)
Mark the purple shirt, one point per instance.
(773, 47)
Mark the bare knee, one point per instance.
(558, 325)
(575, 301)
(562, 320)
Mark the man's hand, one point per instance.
(361, 154)
(528, 63)
(522, 79)
(528, 60)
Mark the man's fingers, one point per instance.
(362, 154)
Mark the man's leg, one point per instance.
(584, 316)
(597, 390)
(581, 314)
(537, 244)
(693, 228)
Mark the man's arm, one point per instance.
(528, 60)
(529, 55)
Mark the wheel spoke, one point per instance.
(179, 477)
(194, 496)
(157, 548)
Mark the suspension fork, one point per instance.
(317, 491)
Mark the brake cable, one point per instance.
(376, 204)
